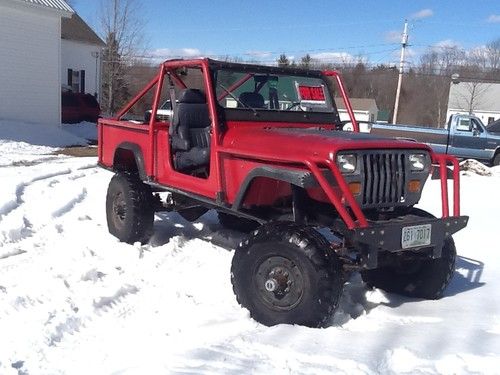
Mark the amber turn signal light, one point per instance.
(414, 186)
(355, 188)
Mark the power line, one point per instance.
(291, 26)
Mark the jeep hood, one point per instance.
(297, 144)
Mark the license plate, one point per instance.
(417, 235)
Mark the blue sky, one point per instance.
(328, 30)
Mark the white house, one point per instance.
(364, 109)
(30, 59)
(80, 56)
(482, 99)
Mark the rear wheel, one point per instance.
(129, 208)
(285, 273)
(496, 159)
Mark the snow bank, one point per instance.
(20, 153)
(86, 130)
(39, 134)
(474, 166)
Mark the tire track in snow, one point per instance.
(71, 204)
(114, 304)
(20, 189)
(22, 230)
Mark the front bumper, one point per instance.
(386, 236)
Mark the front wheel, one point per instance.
(129, 208)
(285, 273)
(416, 278)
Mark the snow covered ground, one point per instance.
(74, 300)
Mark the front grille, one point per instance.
(384, 178)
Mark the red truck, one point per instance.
(263, 146)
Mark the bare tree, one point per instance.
(493, 53)
(433, 85)
(471, 95)
(121, 28)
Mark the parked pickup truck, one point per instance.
(464, 137)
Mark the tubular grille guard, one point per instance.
(384, 178)
(353, 218)
(443, 160)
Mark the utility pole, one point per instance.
(404, 44)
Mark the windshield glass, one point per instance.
(254, 91)
(494, 127)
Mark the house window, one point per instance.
(76, 80)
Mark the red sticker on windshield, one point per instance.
(311, 93)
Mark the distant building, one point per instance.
(80, 56)
(364, 109)
(30, 59)
(383, 115)
(482, 99)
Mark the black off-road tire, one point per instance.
(237, 223)
(295, 257)
(129, 208)
(427, 279)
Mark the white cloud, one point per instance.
(159, 55)
(447, 43)
(179, 52)
(393, 36)
(259, 54)
(421, 14)
(410, 53)
(171, 53)
(334, 57)
(494, 18)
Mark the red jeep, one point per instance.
(262, 145)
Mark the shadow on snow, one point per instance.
(354, 302)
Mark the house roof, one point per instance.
(358, 104)
(76, 29)
(60, 5)
(486, 96)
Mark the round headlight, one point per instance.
(347, 163)
(417, 162)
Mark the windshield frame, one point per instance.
(328, 115)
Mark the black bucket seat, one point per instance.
(190, 131)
